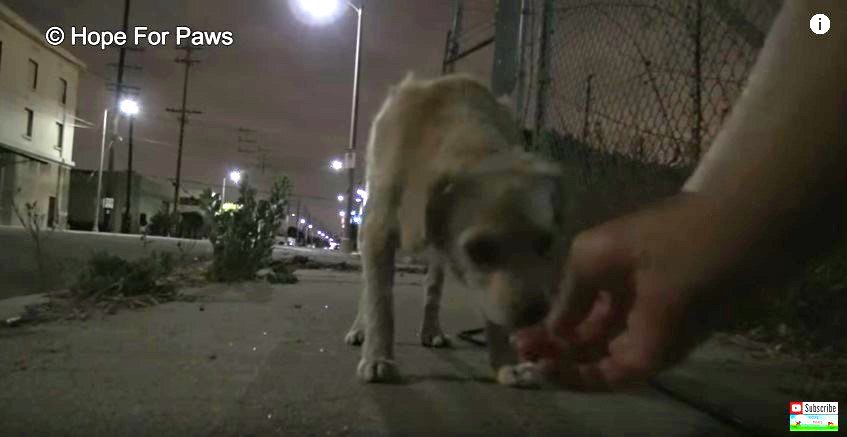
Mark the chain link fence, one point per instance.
(628, 94)
(470, 40)
(651, 80)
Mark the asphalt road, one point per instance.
(256, 359)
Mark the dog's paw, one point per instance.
(436, 340)
(523, 375)
(355, 337)
(378, 370)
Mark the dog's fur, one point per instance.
(446, 175)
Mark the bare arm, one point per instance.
(639, 292)
(783, 151)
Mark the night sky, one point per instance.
(288, 80)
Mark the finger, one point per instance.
(640, 350)
(536, 343)
(596, 263)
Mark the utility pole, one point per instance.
(183, 118)
(119, 88)
(127, 218)
(297, 223)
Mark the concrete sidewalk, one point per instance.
(259, 359)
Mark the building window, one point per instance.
(63, 91)
(30, 118)
(33, 74)
(60, 135)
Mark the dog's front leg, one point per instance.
(431, 334)
(504, 360)
(377, 307)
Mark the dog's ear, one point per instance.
(440, 202)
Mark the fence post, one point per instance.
(506, 35)
(586, 127)
(524, 35)
(697, 82)
(451, 49)
(542, 79)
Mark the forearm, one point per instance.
(783, 150)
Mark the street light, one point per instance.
(235, 177)
(318, 11)
(336, 165)
(130, 108)
(340, 197)
(321, 11)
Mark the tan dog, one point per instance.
(445, 174)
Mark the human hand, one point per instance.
(639, 293)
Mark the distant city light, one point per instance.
(302, 221)
(311, 226)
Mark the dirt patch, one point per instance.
(65, 305)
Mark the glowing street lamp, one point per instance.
(318, 11)
(324, 11)
(340, 197)
(336, 165)
(235, 177)
(129, 107)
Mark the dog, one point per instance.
(447, 176)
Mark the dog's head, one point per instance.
(499, 228)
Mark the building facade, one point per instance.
(148, 196)
(38, 99)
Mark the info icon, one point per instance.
(795, 408)
(819, 24)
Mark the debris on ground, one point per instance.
(300, 262)
(277, 273)
(125, 287)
